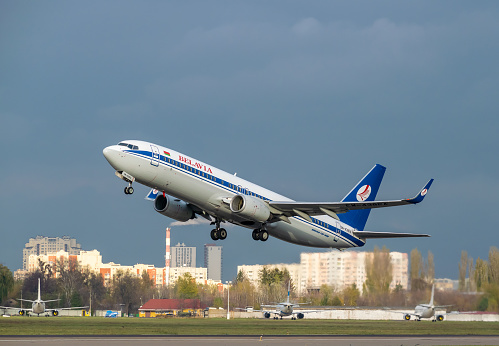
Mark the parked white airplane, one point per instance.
(285, 309)
(185, 188)
(426, 310)
(38, 306)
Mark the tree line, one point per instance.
(75, 286)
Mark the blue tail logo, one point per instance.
(365, 191)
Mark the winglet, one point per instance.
(421, 195)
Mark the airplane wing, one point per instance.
(25, 309)
(72, 308)
(379, 235)
(306, 311)
(307, 209)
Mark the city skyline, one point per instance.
(324, 255)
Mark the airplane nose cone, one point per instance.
(112, 155)
(106, 152)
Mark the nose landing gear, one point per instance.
(128, 178)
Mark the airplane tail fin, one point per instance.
(39, 293)
(289, 289)
(432, 292)
(365, 190)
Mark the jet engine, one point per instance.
(407, 317)
(300, 316)
(440, 318)
(173, 208)
(266, 315)
(250, 208)
(55, 313)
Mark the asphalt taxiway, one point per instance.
(395, 340)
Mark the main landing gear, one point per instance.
(129, 190)
(260, 234)
(218, 233)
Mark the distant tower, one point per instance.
(166, 274)
(213, 261)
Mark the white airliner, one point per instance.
(38, 306)
(285, 309)
(426, 310)
(184, 188)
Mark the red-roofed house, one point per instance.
(171, 307)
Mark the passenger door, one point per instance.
(154, 156)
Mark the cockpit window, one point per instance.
(131, 146)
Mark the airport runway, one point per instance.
(249, 340)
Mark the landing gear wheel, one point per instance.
(222, 233)
(255, 234)
(214, 234)
(263, 235)
(128, 190)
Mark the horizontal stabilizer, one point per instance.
(380, 235)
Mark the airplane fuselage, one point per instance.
(424, 311)
(285, 309)
(209, 188)
(38, 307)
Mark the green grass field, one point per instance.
(214, 326)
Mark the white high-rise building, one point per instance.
(333, 268)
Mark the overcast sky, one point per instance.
(302, 97)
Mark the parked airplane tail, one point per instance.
(365, 190)
(432, 293)
(39, 291)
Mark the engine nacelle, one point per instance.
(440, 318)
(250, 208)
(173, 208)
(266, 315)
(407, 317)
(55, 313)
(300, 316)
